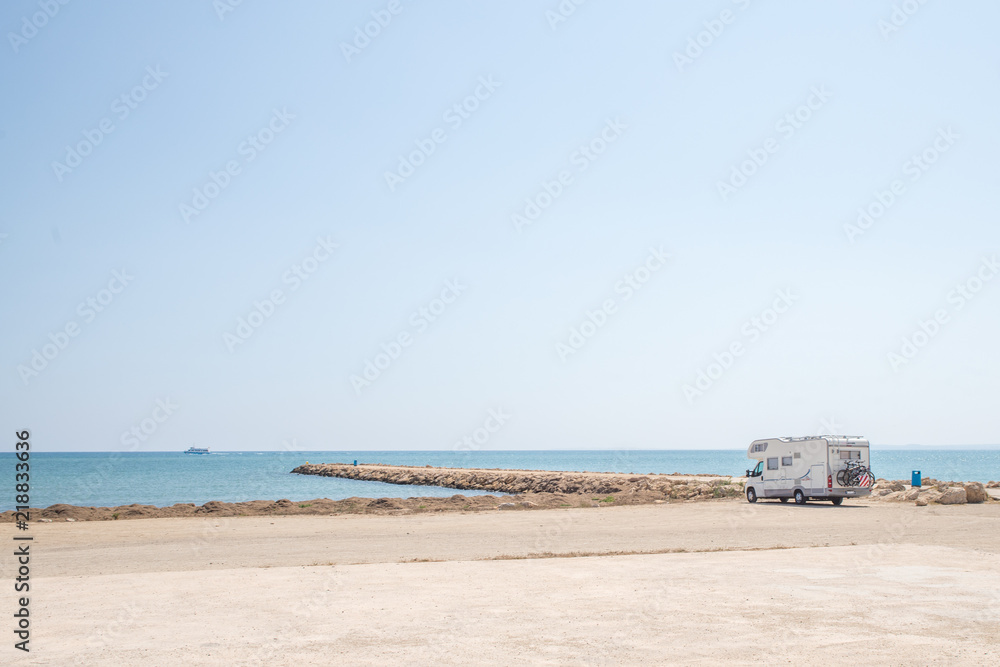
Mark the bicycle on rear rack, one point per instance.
(855, 473)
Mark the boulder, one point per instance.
(921, 502)
(897, 486)
(953, 496)
(929, 496)
(912, 494)
(975, 493)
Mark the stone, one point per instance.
(975, 493)
(211, 506)
(953, 496)
(929, 496)
(506, 506)
(898, 486)
(921, 502)
(384, 503)
(912, 494)
(70, 519)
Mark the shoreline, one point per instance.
(517, 490)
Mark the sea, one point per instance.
(107, 479)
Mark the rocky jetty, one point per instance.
(684, 487)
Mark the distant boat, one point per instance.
(196, 450)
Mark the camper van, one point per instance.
(824, 467)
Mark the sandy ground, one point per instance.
(883, 583)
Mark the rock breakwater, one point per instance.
(534, 481)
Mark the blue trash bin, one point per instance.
(915, 478)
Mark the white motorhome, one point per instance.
(824, 467)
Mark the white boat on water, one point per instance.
(196, 450)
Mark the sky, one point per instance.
(520, 225)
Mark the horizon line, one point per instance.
(454, 451)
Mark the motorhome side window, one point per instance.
(760, 447)
(772, 464)
(850, 455)
(786, 460)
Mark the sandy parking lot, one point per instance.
(723, 581)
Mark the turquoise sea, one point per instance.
(165, 478)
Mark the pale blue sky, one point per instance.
(823, 363)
